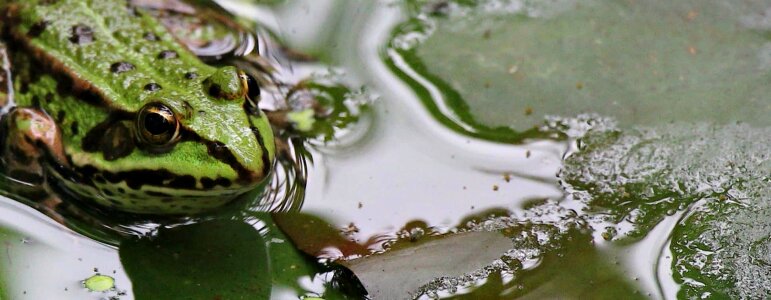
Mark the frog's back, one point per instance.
(118, 53)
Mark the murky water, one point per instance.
(603, 192)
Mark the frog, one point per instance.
(106, 104)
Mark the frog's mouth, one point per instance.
(149, 191)
(115, 138)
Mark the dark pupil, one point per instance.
(156, 124)
(254, 89)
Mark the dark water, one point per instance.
(596, 140)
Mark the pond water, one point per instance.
(620, 148)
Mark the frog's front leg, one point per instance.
(30, 141)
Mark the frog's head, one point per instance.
(193, 149)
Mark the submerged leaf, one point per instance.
(208, 260)
(399, 273)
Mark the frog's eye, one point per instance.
(252, 90)
(157, 125)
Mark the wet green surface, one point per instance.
(657, 192)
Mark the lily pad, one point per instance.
(505, 63)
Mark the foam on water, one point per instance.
(543, 229)
(722, 249)
(626, 181)
(632, 179)
(640, 176)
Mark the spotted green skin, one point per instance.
(120, 35)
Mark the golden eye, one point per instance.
(157, 125)
(252, 90)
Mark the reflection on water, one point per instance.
(594, 209)
(411, 168)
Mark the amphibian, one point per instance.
(111, 107)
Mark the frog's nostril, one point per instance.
(215, 90)
(225, 84)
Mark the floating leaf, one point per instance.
(502, 64)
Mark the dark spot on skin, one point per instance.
(150, 37)
(120, 67)
(88, 171)
(191, 75)
(82, 34)
(183, 182)
(91, 97)
(223, 182)
(115, 202)
(137, 178)
(99, 179)
(167, 54)
(152, 87)
(123, 191)
(117, 142)
(74, 127)
(107, 192)
(60, 116)
(37, 29)
(112, 178)
(207, 183)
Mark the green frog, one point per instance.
(112, 107)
